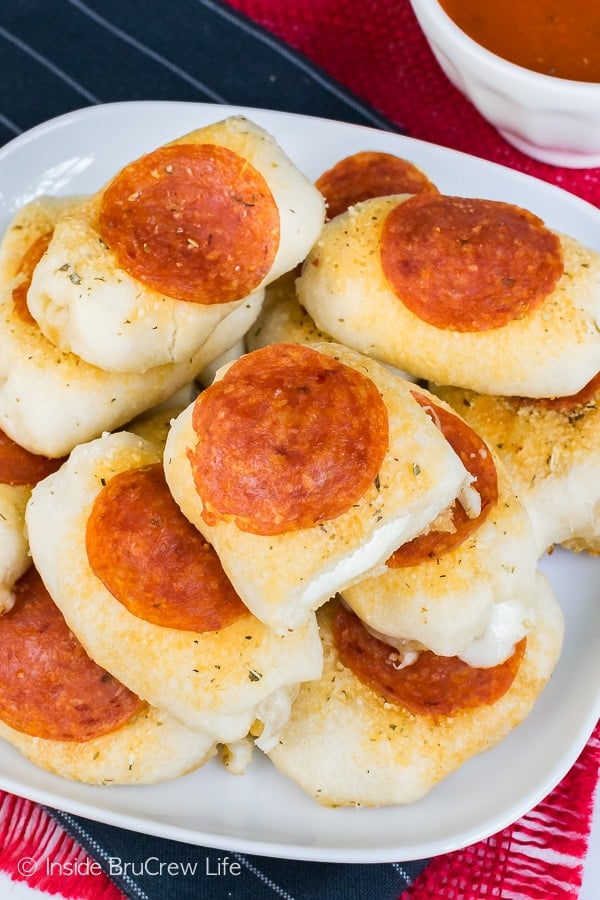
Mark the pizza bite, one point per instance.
(141, 273)
(50, 400)
(397, 731)
(551, 448)
(465, 587)
(147, 596)
(470, 292)
(73, 718)
(305, 467)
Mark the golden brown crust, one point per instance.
(282, 578)
(552, 456)
(87, 304)
(554, 350)
(152, 747)
(31, 222)
(282, 319)
(386, 755)
(14, 547)
(218, 682)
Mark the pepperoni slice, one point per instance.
(288, 438)
(433, 685)
(468, 265)
(50, 688)
(19, 466)
(195, 221)
(479, 462)
(369, 174)
(567, 404)
(153, 560)
(26, 268)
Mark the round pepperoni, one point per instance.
(369, 174)
(153, 560)
(19, 466)
(289, 438)
(479, 462)
(26, 268)
(194, 221)
(468, 265)
(50, 688)
(433, 685)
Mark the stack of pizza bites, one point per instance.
(124, 296)
(305, 467)
(462, 622)
(91, 338)
(498, 313)
(434, 657)
(58, 706)
(332, 487)
(148, 598)
(316, 550)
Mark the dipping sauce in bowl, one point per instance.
(554, 37)
(531, 67)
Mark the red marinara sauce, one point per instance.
(547, 36)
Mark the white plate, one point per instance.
(261, 812)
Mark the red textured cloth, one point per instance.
(378, 51)
(538, 857)
(36, 850)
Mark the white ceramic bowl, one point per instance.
(551, 119)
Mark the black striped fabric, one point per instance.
(61, 55)
(133, 861)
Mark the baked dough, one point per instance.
(151, 747)
(85, 303)
(33, 220)
(475, 601)
(218, 683)
(555, 350)
(51, 400)
(283, 578)
(282, 318)
(552, 456)
(153, 425)
(345, 745)
(14, 548)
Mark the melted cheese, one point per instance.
(508, 622)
